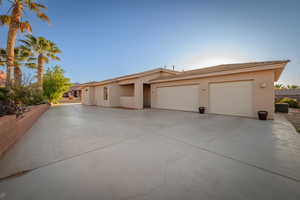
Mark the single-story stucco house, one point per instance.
(232, 89)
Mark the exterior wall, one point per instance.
(263, 97)
(94, 95)
(138, 87)
(12, 129)
(87, 96)
(113, 96)
(83, 96)
(127, 102)
(127, 90)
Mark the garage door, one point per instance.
(178, 98)
(231, 98)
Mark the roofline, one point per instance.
(130, 76)
(279, 67)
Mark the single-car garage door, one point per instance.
(178, 98)
(231, 98)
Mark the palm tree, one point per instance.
(43, 50)
(22, 56)
(15, 23)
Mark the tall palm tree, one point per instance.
(22, 56)
(15, 23)
(43, 51)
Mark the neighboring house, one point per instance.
(232, 89)
(2, 78)
(292, 93)
(74, 91)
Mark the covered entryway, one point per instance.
(231, 98)
(146, 95)
(184, 98)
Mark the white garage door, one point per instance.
(178, 98)
(232, 98)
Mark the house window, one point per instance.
(105, 93)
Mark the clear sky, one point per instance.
(102, 39)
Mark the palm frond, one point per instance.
(30, 59)
(46, 59)
(5, 19)
(31, 65)
(43, 17)
(25, 26)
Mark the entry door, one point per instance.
(231, 98)
(184, 98)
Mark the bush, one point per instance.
(277, 100)
(27, 95)
(293, 103)
(55, 84)
(15, 100)
(8, 104)
(3, 94)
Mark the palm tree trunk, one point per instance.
(18, 75)
(11, 41)
(40, 72)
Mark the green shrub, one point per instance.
(293, 103)
(3, 94)
(277, 100)
(55, 84)
(298, 130)
(26, 95)
(15, 99)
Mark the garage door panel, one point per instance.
(178, 98)
(232, 98)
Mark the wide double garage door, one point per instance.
(178, 98)
(229, 98)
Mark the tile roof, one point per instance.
(139, 74)
(222, 68)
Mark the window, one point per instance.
(105, 93)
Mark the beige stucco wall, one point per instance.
(94, 95)
(127, 101)
(84, 96)
(263, 98)
(138, 87)
(127, 90)
(87, 95)
(113, 95)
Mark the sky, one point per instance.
(102, 39)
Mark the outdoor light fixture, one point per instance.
(263, 85)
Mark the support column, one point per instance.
(138, 95)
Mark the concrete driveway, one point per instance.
(84, 152)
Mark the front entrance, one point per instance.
(146, 96)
